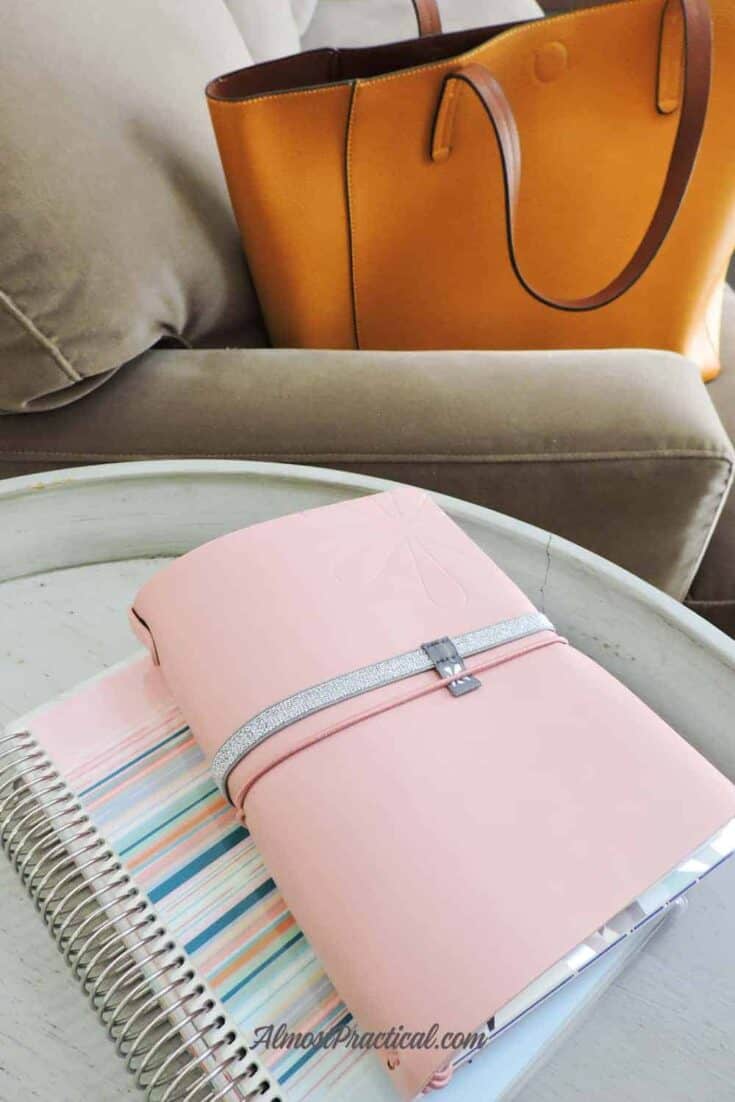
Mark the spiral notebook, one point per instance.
(171, 924)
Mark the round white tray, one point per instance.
(75, 546)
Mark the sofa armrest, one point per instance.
(713, 592)
(621, 451)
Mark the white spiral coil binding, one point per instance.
(174, 1038)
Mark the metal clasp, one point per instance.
(447, 661)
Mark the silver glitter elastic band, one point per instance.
(305, 703)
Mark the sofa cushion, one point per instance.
(619, 451)
(368, 22)
(713, 592)
(115, 224)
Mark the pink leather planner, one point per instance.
(449, 796)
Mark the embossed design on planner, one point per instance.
(396, 545)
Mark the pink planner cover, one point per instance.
(440, 851)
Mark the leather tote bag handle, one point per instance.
(695, 98)
(428, 17)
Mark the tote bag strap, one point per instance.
(428, 17)
(693, 114)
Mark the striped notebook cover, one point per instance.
(116, 772)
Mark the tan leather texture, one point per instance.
(694, 92)
(358, 238)
(428, 17)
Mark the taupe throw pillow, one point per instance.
(115, 224)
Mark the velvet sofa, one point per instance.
(129, 328)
